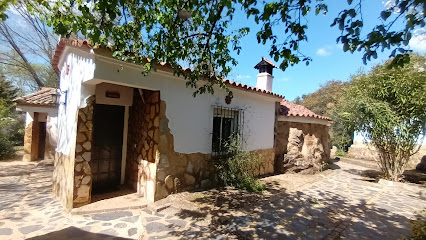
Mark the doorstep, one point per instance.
(132, 201)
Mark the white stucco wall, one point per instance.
(191, 119)
(30, 110)
(76, 66)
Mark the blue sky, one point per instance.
(329, 60)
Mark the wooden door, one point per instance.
(107, 147)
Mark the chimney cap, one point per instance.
(265, 62)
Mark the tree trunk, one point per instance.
(4, 30)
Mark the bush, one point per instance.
(418, 227)
(11, 129)
(6, 147)
(235, 168)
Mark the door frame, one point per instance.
(124, 146)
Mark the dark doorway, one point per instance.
(107, 148)
(42, 140)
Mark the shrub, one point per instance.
(236, 168)
(388, 105)
(6, 147)
(418, 227)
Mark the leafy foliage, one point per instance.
(200, 33)
(418, 227)
(323, 102)
(388, 104)
(236, 168)
(383, 36)
(11, 124)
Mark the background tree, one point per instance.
(389, 105)
(323, 102)
(199, 32)
(27, 60)
(11, 122)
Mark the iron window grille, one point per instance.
(227, 126)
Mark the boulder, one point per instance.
(305, 153)
(422, 165)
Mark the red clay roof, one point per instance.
(293, 110)
(42, 98)
(270, 62)
(85, 43)
(68, 42)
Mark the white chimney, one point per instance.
(264, 78)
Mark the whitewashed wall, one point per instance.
(191, 119)
(76, 67)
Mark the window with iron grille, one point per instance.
(227, 124)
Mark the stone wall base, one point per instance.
(63, 182)
(366, 152)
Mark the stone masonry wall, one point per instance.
(83, 152)
(301, 146)
(142, 142)
(49, 152)
(63, 177)
(176, 171)
(267, 159)
(63, 182)
(28, 137)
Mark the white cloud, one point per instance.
(418, 41)
(239, 77)
(323, 52)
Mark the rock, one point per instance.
(161, 175)
(83, 193)
(169, 182)
(177, 184)
(79, 159)
(164, 160)
(189, 180)
(206, 183)
(86, 168)
(78, 148)
(78, 167)
(87, 156)
(189, 167)
(333, 152)
(87, 145)
(422, 165)
(161, 191)
(303, 152)
(81, 137)
(86, 179)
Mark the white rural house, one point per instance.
(117, 127)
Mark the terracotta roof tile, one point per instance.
(270, 62)
(294, 110)
(85, 43)
(63, 42)
(42, 98)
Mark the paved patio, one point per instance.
(338, 203)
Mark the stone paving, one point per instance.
(336, 204)
(339, 205)
(27, 210)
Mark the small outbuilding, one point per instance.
(120, 129)
(40, 126)
(302, 139)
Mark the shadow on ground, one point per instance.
(73, 233)
(278, 215)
